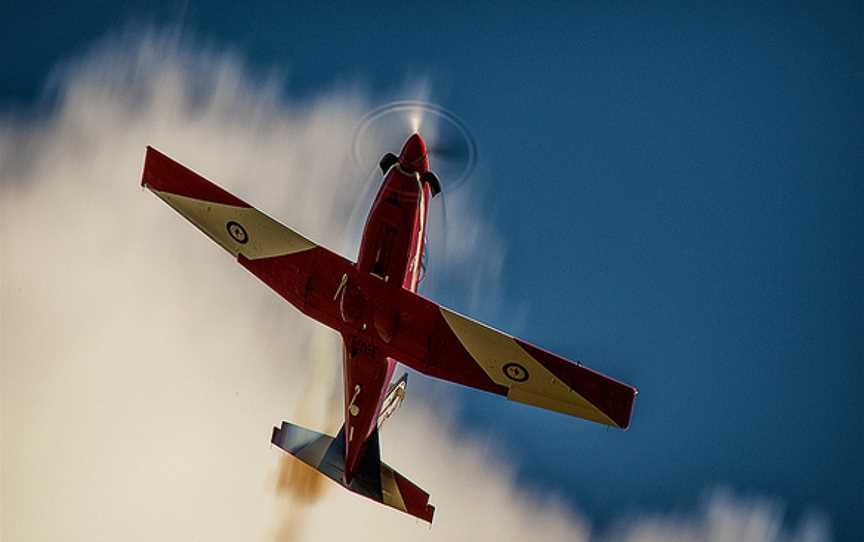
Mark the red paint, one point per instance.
(416, 500)
(164, 174)
(413, 157)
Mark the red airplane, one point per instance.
(373, 304)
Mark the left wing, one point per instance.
(445, 344)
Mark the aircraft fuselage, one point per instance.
(391, 251)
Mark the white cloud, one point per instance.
(724, 517)
(142, 370)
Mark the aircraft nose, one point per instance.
(413, 155)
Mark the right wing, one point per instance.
(445, 344)
(295, 267)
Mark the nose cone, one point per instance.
(413, 155)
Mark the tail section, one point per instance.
(373, 479)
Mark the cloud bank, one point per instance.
(142, 370)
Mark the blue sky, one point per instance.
(678, 190)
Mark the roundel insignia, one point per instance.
(515, 372)
(237, 232)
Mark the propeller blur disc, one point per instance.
(450, 146)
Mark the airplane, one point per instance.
(374, 305)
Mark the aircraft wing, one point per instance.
(461, 350)
(279, 256)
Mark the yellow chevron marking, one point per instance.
(264, 237)
(494, 351)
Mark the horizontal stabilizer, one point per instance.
(374, 479)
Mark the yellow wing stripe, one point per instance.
(493, 350)
(239, 230)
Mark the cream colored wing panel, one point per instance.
(508, 364)
(239, 230)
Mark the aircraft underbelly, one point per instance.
(367, 377)
(391, 238)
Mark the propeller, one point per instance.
(450, 147)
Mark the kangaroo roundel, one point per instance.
(516, 372)
(237, 232)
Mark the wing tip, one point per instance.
(612, 399)
(164, 174)
(624, 422)
(148, 152)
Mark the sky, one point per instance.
(668, 193)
